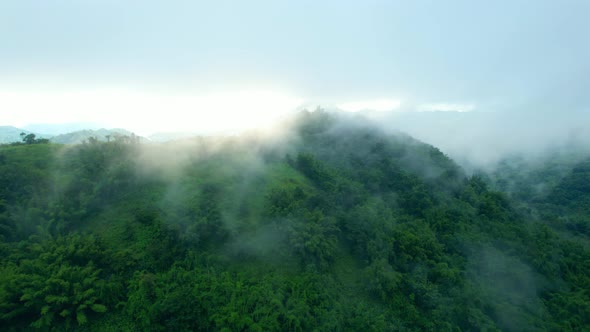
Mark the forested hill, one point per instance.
(330, 226)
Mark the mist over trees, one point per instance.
(484, 138)
(331, 225)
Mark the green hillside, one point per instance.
(331, 226)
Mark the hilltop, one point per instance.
(329, 224)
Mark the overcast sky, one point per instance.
(198, 62)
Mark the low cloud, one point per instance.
(446, 107)
(370, 105)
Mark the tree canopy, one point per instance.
(340, 227)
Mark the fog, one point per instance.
(482, 139)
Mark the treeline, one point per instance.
(339, 228)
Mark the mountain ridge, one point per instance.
(332, 225)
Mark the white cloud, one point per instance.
(446, 107)
(373, 105)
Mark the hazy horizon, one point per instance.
(507, 76)
(185, 65)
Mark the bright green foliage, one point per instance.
(314, 238)
(56, 281)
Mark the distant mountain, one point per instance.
(54, 129)
(10, 134)
(80, 136)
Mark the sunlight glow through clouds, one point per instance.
(148, 113)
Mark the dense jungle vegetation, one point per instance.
(334, 226)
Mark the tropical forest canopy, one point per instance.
(332, 225)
